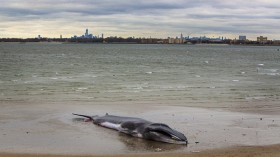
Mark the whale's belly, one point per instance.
(111, 125)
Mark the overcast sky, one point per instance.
(145, 18)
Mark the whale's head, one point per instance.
(163, 133)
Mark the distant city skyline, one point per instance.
(126, 18)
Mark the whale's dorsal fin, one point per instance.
(106, 114)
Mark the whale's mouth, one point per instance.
(167, 137)
(165, 134)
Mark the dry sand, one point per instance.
(50, 130)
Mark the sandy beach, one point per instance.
(51, 130)
(263, 151)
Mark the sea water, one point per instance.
(55, 72)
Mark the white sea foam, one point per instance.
(82, 88)
(271, 72)
(182, 87)
(255, 98)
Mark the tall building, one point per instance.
(182, 40)
(242, 37)
(86, 34)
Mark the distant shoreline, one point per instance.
(119, 40)
(23, 42)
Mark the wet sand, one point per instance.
(257, 151)
(52, 130)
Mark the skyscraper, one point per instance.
(86, 34)
(242, 37)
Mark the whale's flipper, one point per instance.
(89, 117)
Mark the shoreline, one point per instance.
(238, 151)
(23, 41)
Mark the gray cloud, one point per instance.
(124, 17)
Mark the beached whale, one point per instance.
(138, 127)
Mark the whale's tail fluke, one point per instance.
(86, 116)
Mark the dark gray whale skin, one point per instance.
(138, 127)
